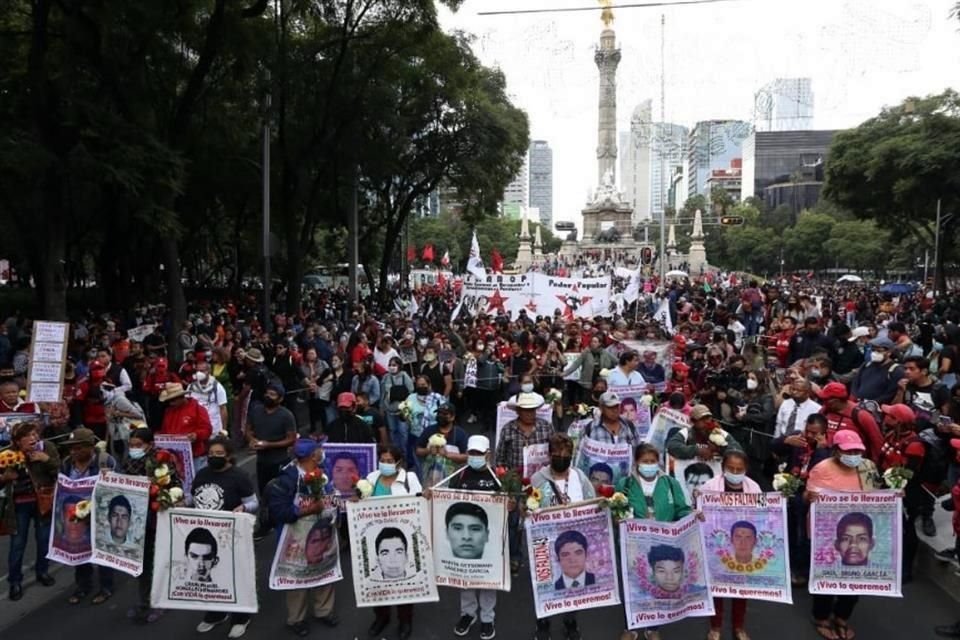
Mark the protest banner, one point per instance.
(663, 349)
(603, 463)
(746, 539)
(664, 572)
(121, 505)
(570, 358)
(572, 558)
(204, 561)
(344, 464)
(9, 420)
(535, 457)
(392, 559)
(537, 293)
(470, 539)
(137, 334)
(182, 451)
(48, 359)
(665, 424)
(693, 473)
(70, 534)
(308, 554)
(505, 414)
(635, 407)
(856, 543)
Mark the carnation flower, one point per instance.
(364, 488)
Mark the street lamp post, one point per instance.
(267, 279)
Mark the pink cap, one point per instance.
(847, 440)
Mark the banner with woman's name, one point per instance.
(308, 554)
(603, 463)
(470, 539)
(182, 451)
(121, 505)
(746, 539)
(70, 542)
(204, 561)
(664, 570)
(390, 551)
(573, 561)
(856, 543)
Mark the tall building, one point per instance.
(517, 192)
(729, 179)
(668, 148)
(540, 193)
(649, 161)
(786, 104)
(712, 144)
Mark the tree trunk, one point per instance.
(175, 297)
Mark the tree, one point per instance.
(803, 243)
(858, 244)
(895, 167)
(753, 249)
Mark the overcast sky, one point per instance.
(861, 55)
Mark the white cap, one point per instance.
(478, 443)
(858, 332)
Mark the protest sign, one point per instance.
(856, 543)
(182, 451)
(204, 561)
(535, 457)
(470, 539)
(344, 464)
(603, 463)
(390, 548)
(308, 554)
(634, 408)
(137, 334)
(121, 505)
(9, 420)
(70, 534)
(48, 357)
(572, 558)
(746, 539)
(664, 572)
(538, 293)
(665, 424)
(693, 473)
(505, 414)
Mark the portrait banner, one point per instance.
(182, 451)
(470, 539)
(573, 562)
(633, 407)
(664, 572)
(343, 463)
(746, 539)
(9, 420)
(308, 554)
(856, 543)
(204, 561)
(70, 541)
(535, 457)
(693, 473)
(505, 414)
(664, 424)
(390, 548)
(603, 463)
(121, 505)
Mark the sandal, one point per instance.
(713, 634)
(102, 596)
(825, 629)
(844, 632)
(77, 596)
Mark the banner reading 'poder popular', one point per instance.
(70, 534)
(856, 543)
(664, 572)
(390, 548)
(539, 294)
(121, 505)
(746, 539)
(308, 554)
(572, 558)
(204, 561)
(469, 539)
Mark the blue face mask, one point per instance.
(136, 454)
(648, 470)
(477, 462)
(937, 346)
(388, 468)
(734, 478)
(851, 460)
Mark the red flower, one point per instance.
(354, 479)
(164, 456)
(154, 490)
(501, 471)
(527, 482)
(154, 506)
(605, 490)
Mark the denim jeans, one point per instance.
(25, 514)
(398, 430)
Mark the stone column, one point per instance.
(607, 57)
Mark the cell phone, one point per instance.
(945, 420)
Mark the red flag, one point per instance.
(428, 253)
(496, 262)
(445, 260)
(411, 253)
(441, 281)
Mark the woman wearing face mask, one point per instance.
(733, 480)
(315, 377)
(755, 412)
(342, 379)
(220, 486)
(396, 385)
(845, 470)
(527, 385)
(424, 405)
(141, 461)
(391, 479)
(561, 484)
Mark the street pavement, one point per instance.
(44, 614)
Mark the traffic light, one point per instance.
(731, 221)
(646, 255)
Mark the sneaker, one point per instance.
(928, 527)
(947, 555)
(205, 626)
(463, 625)
(487, 631)
(237, 630)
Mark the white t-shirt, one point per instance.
(211, 401)
(383, 359)
(618, 378)
(571, 486)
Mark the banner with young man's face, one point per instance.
(308, 554)
(470, 539)
(70, 541)
(121, 506)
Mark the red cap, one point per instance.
(834, 390)
(346, 400)
(899, 412)
(848, 440)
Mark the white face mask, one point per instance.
(751, 384)
(877, 357)
(527, 387)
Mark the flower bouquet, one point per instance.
(553, 396)
(406, 410)
(718, 437)
(364, 488)
(436, 440)
(81, 511)
(619, 506)
(897, 477)
(787, 484)
(163, 493)
(10, 459)
(534, 496)
(316, 481)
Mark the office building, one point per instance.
(653, 151)
(712, 144)
(517, 192)
(786, 104)
(729, 179)
(540, 190)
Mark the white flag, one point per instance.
(475, 263)
(413, 307)
(632, 292)
(662, 316)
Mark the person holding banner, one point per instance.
(845, 470)
(220, 486)
(743, 535)
(439, 461)
(84, 462)
(560, 484)
(704, 439)
(625, 374)
(590, 362)
(611, 427)
(31, 487)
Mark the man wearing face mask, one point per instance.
(804, 343)
(439, 375)
(269, 431)
(477, 476)
(211, 395)
(879, 379)
(439, 462)
(349, 427)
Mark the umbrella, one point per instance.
(676, 274)
(898, 288)
(849, 278)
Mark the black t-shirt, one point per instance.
(373, 419)
(271, 427)
(926, 402)
(435, 375)
(221, 491)
(472, 480)
(352, 429)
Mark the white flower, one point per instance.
(365, 488)
(533, 504)
(718, 437)
(779, 481)
(646, 400)
(161, 471)
(604, 373)
(176, 494)
(437, 440)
